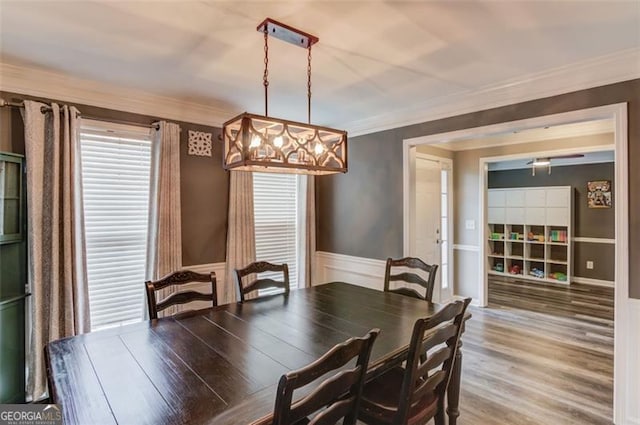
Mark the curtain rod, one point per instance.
(21, 105)
(153, 125)
(45, 109)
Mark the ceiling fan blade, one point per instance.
(575, 155)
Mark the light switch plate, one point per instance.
(590, 265)
(470, 224)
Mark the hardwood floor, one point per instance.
(539, 354)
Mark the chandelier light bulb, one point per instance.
(319, 148)
(278, 142)
(255, 142)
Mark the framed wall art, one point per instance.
(599, 194)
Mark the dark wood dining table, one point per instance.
(221, 365)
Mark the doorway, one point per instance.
(429, 218)
(474, 266)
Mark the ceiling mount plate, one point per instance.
(286, 33)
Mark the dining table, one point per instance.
(222, 365)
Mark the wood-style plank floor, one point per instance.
(539, 354)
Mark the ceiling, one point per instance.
(588, 158)
(374, 58)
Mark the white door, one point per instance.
(429, 227)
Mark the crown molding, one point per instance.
(617, 67)
(609, 69)
(55, 85)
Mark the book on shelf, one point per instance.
(558, 236)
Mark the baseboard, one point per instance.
(360, 271)
(594, 282)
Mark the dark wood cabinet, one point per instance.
(13, 279)
(12, 349)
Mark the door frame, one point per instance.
(407, 211)
(622, 303)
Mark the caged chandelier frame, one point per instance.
(266, 144)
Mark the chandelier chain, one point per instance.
(309, 84)
(265, 76)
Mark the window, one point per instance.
(276, 206)
(116, 165)
(444, 226)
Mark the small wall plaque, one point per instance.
(199, 143)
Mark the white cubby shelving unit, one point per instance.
(529, 233)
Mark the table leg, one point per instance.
(453, 392)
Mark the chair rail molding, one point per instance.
(593, 240)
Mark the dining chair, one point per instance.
(415, 394)
(261, 283)
(179, 278)
(337, 396)
(409, 277)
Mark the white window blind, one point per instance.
(275, 198)
(116, 165)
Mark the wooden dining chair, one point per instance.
(415, 394)
(336, 397)
(261, 283)
(409, 277)
(179, 278)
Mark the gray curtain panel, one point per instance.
(57, 253)
(241, 238)
(164, 242)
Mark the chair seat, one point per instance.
(380, 400)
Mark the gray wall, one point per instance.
(204, 183)
(348, 228)
(588, 222)
(364, 213)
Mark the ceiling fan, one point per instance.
(546, 161)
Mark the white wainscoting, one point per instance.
(360, 271)
(219, 270)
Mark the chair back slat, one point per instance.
(182, 297)
(325, 394)
(243, 290)
(441, 335)
(338, 396)
(333, 414)
(179, 278)
(429, 385)
(411, 278)
(435, 359)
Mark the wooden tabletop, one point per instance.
(219, 366)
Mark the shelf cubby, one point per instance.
(538, 238)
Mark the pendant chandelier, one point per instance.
(266, 144)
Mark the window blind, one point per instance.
(116, 165)
(275, 198)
